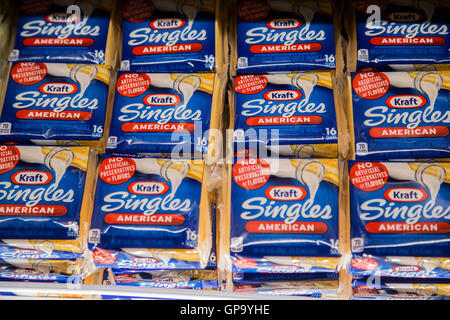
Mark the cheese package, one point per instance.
(45, 202)
(397, 32)
(399, 115)
(287, 114)
(284, 35)
(400, 267)
(284, 216)
(394, 289)
(311, 290)
(174, 36)
(135, 260)
(37, 249)
(164, 113)
(151, 206)
(17, 274)
(190, 279)
(47, 103)
(67, 32)
(400, 215)
(63, 267)
(248, 278)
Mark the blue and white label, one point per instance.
(401, 115)
(48, 32)
(53, 101)
(169, 36)
(398, 34)
(284, 36)
(161, 113)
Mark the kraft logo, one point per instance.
(144, 260)
(31, 177)
(284, 23)
(404, 17)
(285, 268)
(407, 268)
(406, 101)
(25, 271)
(282, 95)
(62, 17)
(286, 193)
(167, 23)
(162, 100)
(26, 251)
(58, 88)
(148, 188)
(126, 278)
(168, 280)
(405, 195)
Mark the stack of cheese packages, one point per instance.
(281, 191)
(153, 223)
(399, 120)
(55, 109)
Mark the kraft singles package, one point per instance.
(29, 275)
(149, 203)
(173, 35)
(310, 290)
(398, 32)
(286, 114)
(400, 215)
(283, 216)
(190, 279)
(400, 115)
(67, 31)
(282, 35)
(42, 191)
(136, 260)
(165, 112)
(49, 102)
(394, 289)
(45, 201)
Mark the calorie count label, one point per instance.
(117, 170)
(371, 85)
(28, 73)
(368, 176)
